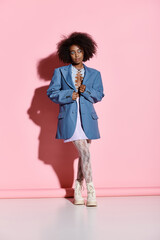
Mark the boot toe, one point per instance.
(91, 204)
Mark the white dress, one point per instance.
(78, 133)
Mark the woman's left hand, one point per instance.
(82, 88)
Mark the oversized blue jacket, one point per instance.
(60, 91)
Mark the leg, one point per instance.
(80, 176)
(89, 142)
(83, 149)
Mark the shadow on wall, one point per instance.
(44, 113)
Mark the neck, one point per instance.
(78, 65)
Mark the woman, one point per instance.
(76, 88)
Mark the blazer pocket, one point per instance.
(61, 115)
(94, 115)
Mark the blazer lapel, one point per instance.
(66, 71)
(86, 74)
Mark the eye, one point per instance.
(72, 52)
(79, 50)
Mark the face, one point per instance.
(76, 54)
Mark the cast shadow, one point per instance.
(43, 112)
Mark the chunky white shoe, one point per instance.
(91, 195)
(78, 199)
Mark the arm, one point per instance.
(94, 94)
(54, 91)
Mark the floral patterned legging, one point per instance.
(84, 163)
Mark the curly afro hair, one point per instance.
(83, 40)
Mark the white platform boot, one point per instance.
(91, 195)
(78, 199)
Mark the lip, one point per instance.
(77, 59)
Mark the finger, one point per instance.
(77, 80)
(78, 75)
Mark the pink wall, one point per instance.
(126, 160)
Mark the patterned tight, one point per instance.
(84, 163)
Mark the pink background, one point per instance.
(126, 160)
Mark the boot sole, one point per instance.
(79, 202)
(91, 204)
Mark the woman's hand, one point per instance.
(78, 80)
(75, 95)
(82, 88)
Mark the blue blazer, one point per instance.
(60, 91)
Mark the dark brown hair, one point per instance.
(83, 40)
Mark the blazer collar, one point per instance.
(66, 71)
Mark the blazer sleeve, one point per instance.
(55, 93)
(95, 93)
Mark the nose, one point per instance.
(77, 54)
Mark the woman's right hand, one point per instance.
(75, 95)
